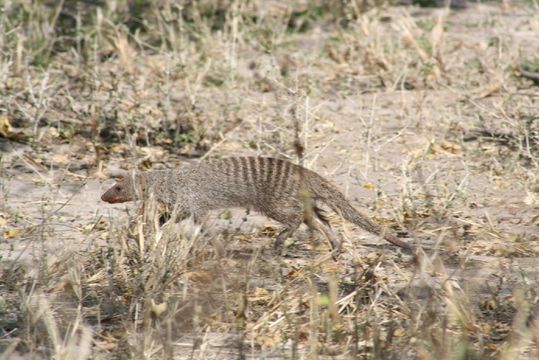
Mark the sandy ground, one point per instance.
(400, 156)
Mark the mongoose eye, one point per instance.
(118, 188)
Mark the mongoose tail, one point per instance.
(330, 195)
(533, 76)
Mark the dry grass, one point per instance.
(417, 114)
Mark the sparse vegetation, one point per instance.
(419, 115)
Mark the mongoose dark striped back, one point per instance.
(257, 178)
(277, 188)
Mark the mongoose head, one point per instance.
(124, 189)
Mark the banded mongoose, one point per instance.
(276, 188)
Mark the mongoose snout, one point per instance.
(111, 198)
(119, 193)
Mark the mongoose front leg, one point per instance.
(179, 213)
(288, 213)
(199, 216)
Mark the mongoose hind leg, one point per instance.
(292, 215)
(323, 226)
(288, 213)
(284, 234)
(291, 224)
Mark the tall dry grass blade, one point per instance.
(436, 36)
(126, 53)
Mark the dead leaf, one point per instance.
(494, 86)
(199, 276)
(332, 267)
(269, 340)
(60, 287)
(259, 296)
(108, 342)
(52, 133)
(6, 131)
(368, 186)
(13, 233)
(158, 309)
(531, 199)
(242, 237)
(451, 147)
(446, 147)
(60, 159)
(268, 230)
(118, 148)
(5, 126)
(383, 221)
(146, 164)
(100, 225)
